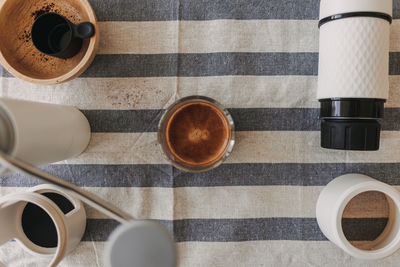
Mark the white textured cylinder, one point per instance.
(354, 52)
(332, 202)
(45, 133)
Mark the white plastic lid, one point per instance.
(140, 244)
(333, 7)
(8, 217)
(11, 209)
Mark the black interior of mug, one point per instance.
(47, 32)
(38, 226)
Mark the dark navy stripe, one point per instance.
(209, 64)
(357, 229)
(237, 230)
(204, 64)
(295, 119)
(163, 10)
(123, 121)
(212, 64)
(394, 63)
(246, 119)
(396, 9)
(240, 174)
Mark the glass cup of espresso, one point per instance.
(196, 134)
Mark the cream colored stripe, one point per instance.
(395, 36)
(194, 36)
(226, 35)
(226, 254)
(142, 203)
(222, 202)
(251, 147)
(158, 93)
(304, 147)
(121, 148)
(86, 254)
(272, 253)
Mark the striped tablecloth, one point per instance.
(257, 57)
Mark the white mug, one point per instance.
(41, 133)
(332, 202)
(45, 221)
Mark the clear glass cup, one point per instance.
(196, 134)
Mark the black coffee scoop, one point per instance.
(55, 35)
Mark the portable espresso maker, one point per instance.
(353, 81)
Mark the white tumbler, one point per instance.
(41, 133)
(353, 81)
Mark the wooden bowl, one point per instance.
(21, 58)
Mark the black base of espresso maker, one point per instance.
(351, 123)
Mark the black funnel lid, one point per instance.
(354, 134)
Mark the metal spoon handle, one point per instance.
(86, 197)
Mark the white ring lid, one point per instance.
(8, 218)
(10, 209)
(333, 7)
